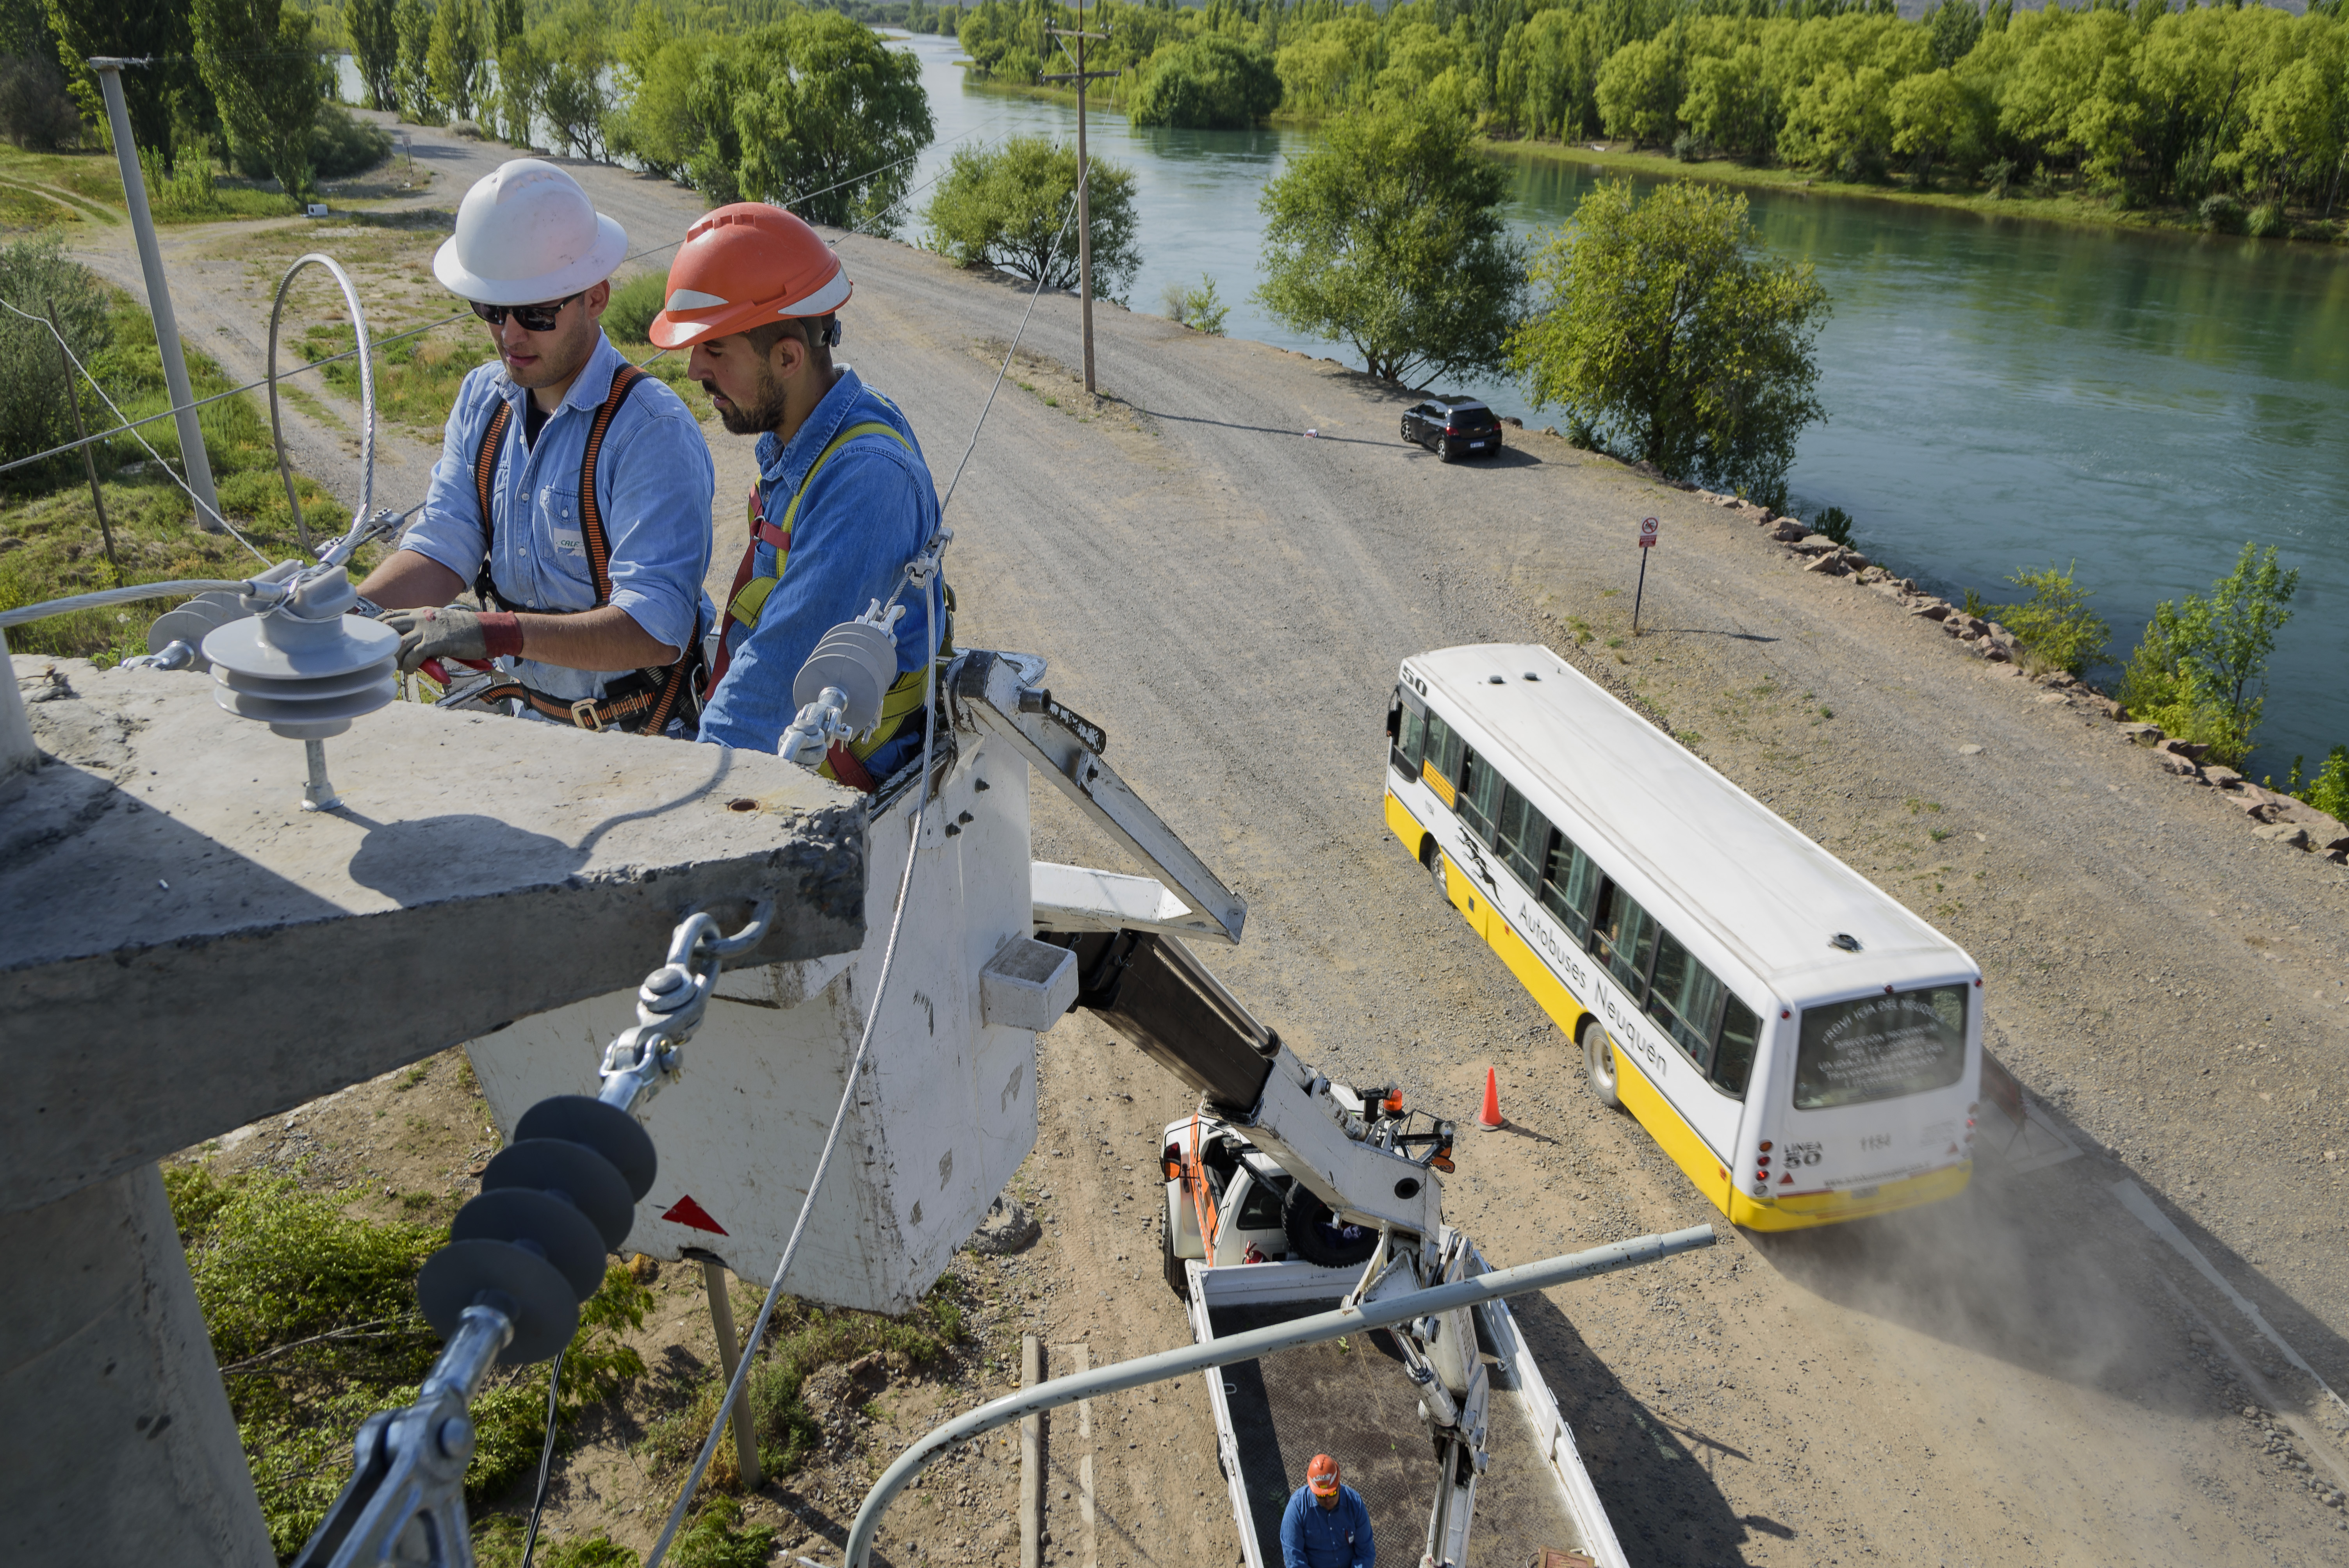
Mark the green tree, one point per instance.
(1012, 207)
(2201, 669)
(1936, 120)
(2055, 624)
(374, 29)
(457, 57)
(170, 86)
(522, 82)
(573, 51)
(263, 66)
(1388, 235)
(1212, 82)
(1954, 27)
(814, 112)
(1640, 90)
(1662, 329)
(655, 123)
(2328, 791)
(416, 101)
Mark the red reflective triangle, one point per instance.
(1785, 1180)
(685, 1212)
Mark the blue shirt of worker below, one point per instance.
(869, 511)
(1312, 1536)
(653, 481)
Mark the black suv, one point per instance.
(1453, 429)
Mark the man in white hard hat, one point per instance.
(844, 501)
(572, 490)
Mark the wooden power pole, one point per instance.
(1084, 180)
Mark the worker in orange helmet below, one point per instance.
(1325, 1525)
(843, 503)
(573, 492)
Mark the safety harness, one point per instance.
(641, 702)
(747, 600)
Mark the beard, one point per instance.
(763, 413)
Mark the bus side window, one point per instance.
(1480, 797)
(1441, 749)
(1732, 1064)
(1408, 736)
(1568, 879)
(1623, 935)
(1523, 832)
(1686, 999)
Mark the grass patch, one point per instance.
(50, 543)
(312, 1313)
(803, 1339)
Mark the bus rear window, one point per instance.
(1880, 1048)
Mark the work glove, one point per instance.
(451, 632)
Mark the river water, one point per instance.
(2000, 393)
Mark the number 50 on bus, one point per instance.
(1803, 1046)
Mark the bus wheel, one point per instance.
(1431, 858)
(1598, 1063)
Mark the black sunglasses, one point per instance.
(531, 317)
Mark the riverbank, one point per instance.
(2063, 206)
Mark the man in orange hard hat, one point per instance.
(843, 503)
(1325, 1525)
(573, 491)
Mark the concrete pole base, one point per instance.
(115, 1440)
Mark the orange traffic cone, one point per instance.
(1489, 1118)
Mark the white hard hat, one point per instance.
(527, 233)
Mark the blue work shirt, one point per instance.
(868, 513)
(654, 479)
(1312, 1536)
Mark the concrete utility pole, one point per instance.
(1084, 181)
(159, 294)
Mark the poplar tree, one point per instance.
(374, 29)
(454, 57)
(262, 64)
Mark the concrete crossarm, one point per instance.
(185, 951)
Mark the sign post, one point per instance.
(1648, 526)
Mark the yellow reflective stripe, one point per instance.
(751, 603)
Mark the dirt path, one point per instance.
(2026, 1375)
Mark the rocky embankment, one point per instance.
(2272, 815)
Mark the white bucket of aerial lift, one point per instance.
(948, 1110)
(946, 1113)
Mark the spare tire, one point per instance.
(1318, 1237)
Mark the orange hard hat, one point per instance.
(1321, 1475)
(742, 266)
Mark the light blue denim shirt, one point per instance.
(654, 479)
(868, 513)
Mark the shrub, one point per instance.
(34, 414)
(36, 111)
(1202, 309)
(1011, 207)
(719, 1539)
(1997, 177)
(1835, 522)
(340, 145)
(2222, 214)
(2200, 670)
(2055, 624)
(1212, 82)
(2329, 790)
(629, 317)
(2266, 220)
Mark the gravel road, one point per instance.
(1226, 560)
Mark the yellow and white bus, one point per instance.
(1799, 1042)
